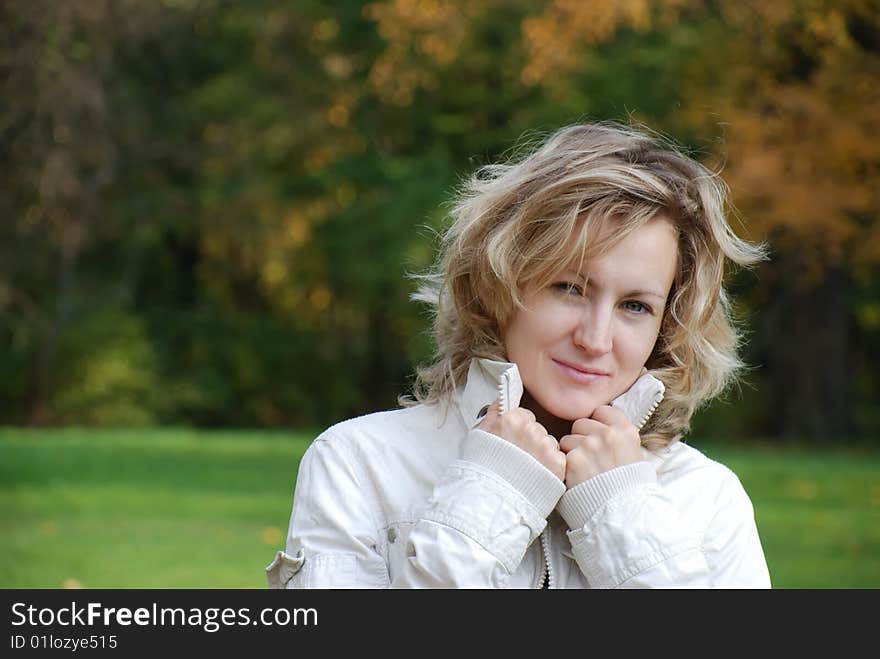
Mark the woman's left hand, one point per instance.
(600, 443)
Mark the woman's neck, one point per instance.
(555, 426)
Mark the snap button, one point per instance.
(483, 412)
(392, 535)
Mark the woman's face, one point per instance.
(583, 340)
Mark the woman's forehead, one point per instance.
(597, 241)
(592, 240)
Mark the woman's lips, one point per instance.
(576, 374)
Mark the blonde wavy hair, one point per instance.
(511, 231)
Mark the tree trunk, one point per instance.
(46, 363)
(806, 332)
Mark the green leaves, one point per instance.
(244, 187)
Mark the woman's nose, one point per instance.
(593, 334)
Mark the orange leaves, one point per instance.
(284, 270)
(400, 19)
(797, 97)
(555, 39)
(803, 160)
(340, 110)
(421, 35)
(424, 36)
(793, 85)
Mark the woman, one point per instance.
(580, 321)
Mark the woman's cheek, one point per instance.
(640, 346)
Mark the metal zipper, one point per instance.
(504, 406)
(503, 402)
(648, 414)
(548, 569)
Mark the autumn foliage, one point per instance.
(211, 208)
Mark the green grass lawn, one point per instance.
(143, 508)
(818, 511)
(192, 509)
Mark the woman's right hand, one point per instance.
(519, 427)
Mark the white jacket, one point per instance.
(415, 498)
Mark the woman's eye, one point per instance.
(569, 288)
(636, 307)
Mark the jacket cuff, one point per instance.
(578, 505)
(530, 478)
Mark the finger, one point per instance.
(488, 416)
(551, 442)
(610, 416)
(587, 426)
(494, 409)
(571, 442)
(560, 466)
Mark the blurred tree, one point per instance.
(799, 99)
(768, 76)
(213, 206)
(60, 157)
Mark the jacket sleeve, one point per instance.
(626, 533)
(332, 540)
(488, 507)
(485, 510)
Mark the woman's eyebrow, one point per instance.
(648, 293)
(633, 293)
(574, 274)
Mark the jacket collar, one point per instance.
(489, 380)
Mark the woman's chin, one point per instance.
(561, 406)
(574, 412)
